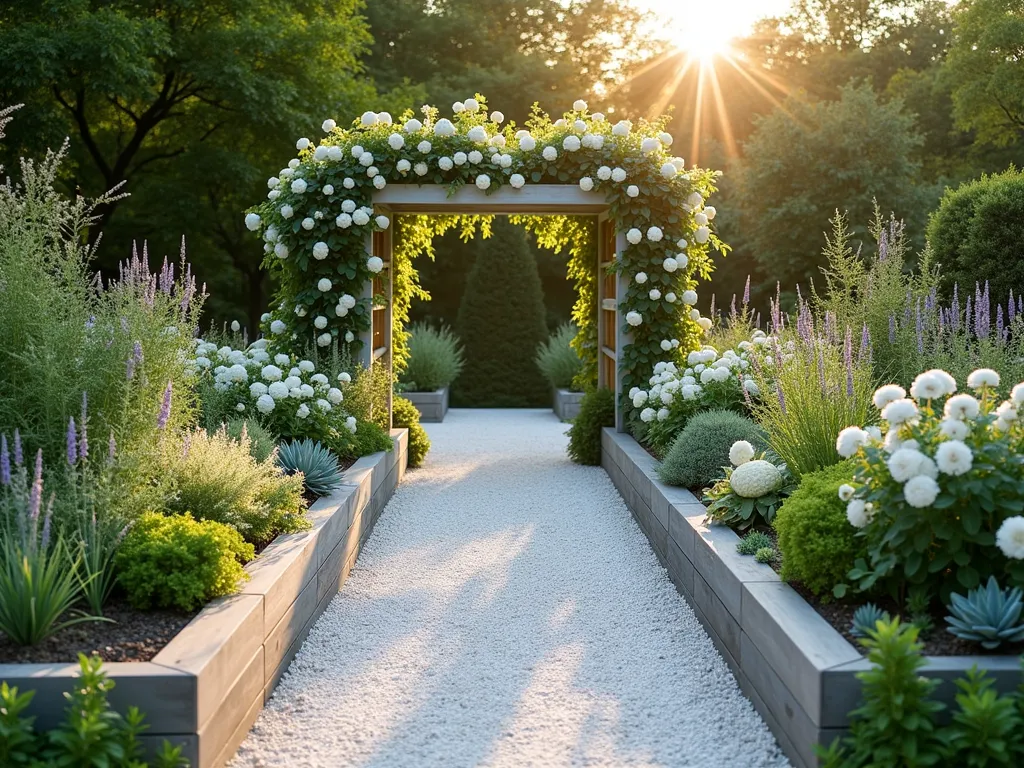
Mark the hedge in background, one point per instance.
(501, 324)
(976, 234)
(597, 410)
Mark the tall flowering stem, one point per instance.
(165, 407)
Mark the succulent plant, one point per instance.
(765, 555)
(988, 615)
(319, 467)
(752, 542)
(865, 618)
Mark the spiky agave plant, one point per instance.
(865, 618)
(319, 467)
(988, 615)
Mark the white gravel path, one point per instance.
(507, 611)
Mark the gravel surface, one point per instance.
(507, 611)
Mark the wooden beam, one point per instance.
(532, 199)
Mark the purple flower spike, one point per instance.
(892, 328)
(44, 544)
(5, 462)
(72, 442)
(848, 361)
(919, 327)
(18, 457)
(746, 292)
(782, 398)
(165, 408)
(732, 307)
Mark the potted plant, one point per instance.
(435, 360)
(559, 363)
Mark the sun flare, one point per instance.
(703, 44)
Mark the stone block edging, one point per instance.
(796, 669)
(206, 687)
(567, 404)
(433, 406)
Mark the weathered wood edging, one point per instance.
(796, 669)
(206, 687)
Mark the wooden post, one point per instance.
(623, 337)
(366, 337)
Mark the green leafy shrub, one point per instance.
(976, 231)
(317, 465)
(987, 728)
(818, 544)
(261, 442)
(557, 360)
(435, 358)
(216, 478)
(987, 615)
(91, 734)
(501, 324)
(405, 414)
(176, 561)
(597, 411)
(752, 542)
(701, 451)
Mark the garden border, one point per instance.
(796, 669)
(205, 689)
(433, 406)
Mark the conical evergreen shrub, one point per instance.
(501, 323)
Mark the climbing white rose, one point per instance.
(754, 479)
(252, 222)
(634, 318)
(375, 264)
(321, 251)
(483, 181)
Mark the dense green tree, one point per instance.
(806, 160)
(187, 103)
(501, 324)
(984, 69)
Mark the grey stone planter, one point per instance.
(206, 687)
(567, 404)
(797, 670)
(432, 405)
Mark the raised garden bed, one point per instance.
(798, 671)
(204, 689)
(567, 404)
(433, 406)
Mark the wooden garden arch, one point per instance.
(537, 199)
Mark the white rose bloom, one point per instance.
(571, 143)
(954, 429)
(702, 234)
(670, 265)
(323, 340)
(361, 218)
(458, 107)
(321, 251)
(983, 377)
(527, 143)
(633, 190)
(622, 128)
(444, 127)
(900, 411)
(649, 145)
(741, 452)
(579, 105)
(905, 463)
(308, 223)
(265, 404)
(413, 125)
(962, 407)
(302, 144)
(634, 318)
(846, 492)
(334, 395)
(604, 173)
(445, 163)
(375, 264)
(1010, 537)
(323, 285)
(320, 322)
(483, 181)
(497, 117)
(517, 180)
(277, 327)
(850, 440)
(550, 154)
(887, 394)
(857, 514)
(344, 220)
(618, 175)
(647, 415)
(920, 491)
(953, 457)
(665, 138)
(654, 234)
(345, 378)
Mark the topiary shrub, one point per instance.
(261, 442)
(435, 358)
(817, 542)
(405, 414)
(597, 410)
(501, 324)
(177, 561)
(701, 451)
(975, 234)
(557, 360)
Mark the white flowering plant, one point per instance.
(711, 380)
(319, 213)
(285, 394)
(939, 496)
(752, 490)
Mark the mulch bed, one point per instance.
(134, 636)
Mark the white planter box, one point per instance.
(432, 405)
